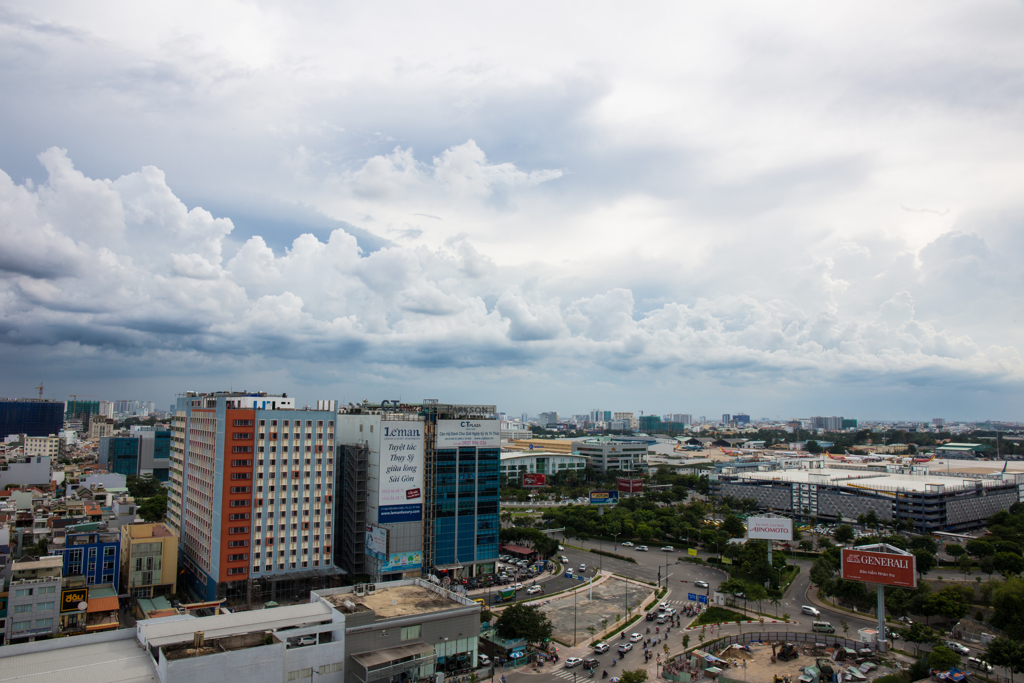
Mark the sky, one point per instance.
(782, 209)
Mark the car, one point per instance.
(743, 596)
(978, 663)
(641, 548)
(625, 647)
(583, 567)
(590, 663)
(573, 661)
(635, 637)
(563, 559)
(957, 647)
(662, 606)
(306, 640)
(652, 615)
(701, 584)
(533, 589)
(601, 648)
(812, 611)
(627, 544)
(518, 587)
(531, 510)
(561, 547)
(668, 549)
(568, 572)
(483, 660)
(670, 611)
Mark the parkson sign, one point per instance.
(770, 528)
(885, 568)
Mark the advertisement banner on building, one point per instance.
(631, 486)
(403, 562)
(770, 528)
(400, 497)
(377, 541)
(604, 497)
(468, 433)
(889, 569)
(72, 598)
(534, 480)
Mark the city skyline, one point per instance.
(796, 213)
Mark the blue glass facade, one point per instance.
(466, 505)
(123, 455)
(31, 417)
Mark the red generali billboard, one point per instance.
(885, 568)
(534, 480)
(631, 485)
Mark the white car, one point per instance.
(701, 584)
(627, 544)
(563, 559)
(583, 567)
(812, 611)
(979, 663)
(533, 589)
(561, 547)
(635, 637)
(483, 659)
(642, 548)
(668, 549)
(306, 640)
(518, 587)
(573, 661)
(957, 647)
(601, 648)
(662, 606)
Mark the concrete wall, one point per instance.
(36, 471)
(62, 643)
(775, 497)
(830, 503)
(976, 508)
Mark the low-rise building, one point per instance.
(149, 560)
(516, 463)
(90, 550)
(607, 455)
(33, 608)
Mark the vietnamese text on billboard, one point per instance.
(402, 562)
(534, 480)
(890, 569)
(377, 541)
(400, 497)
(604, 497)
(468, 434)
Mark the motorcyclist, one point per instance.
(622, 635)
(648, 629)
(604, 673)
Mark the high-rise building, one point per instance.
(828, 424)
(682, 418)
(30, 416)
(252, 492)
(741, 419)
(726, 418)
(145, 451)
(938, 422)
(452, 498)
(548, 419)
(81, 410)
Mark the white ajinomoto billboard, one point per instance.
(468, 433)
(770, 528)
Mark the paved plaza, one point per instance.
(610, 599)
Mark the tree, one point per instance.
(686, 641)
(964, 564)
(1009, 564)
(845, 627)
(924, 560)
(843, 533)
(644, 532)
(954, 550)
(733, 526)
(523, 621)
(949, 603)
(1008, 607)
(1006, 652)
(987, 564)
(153, 509)
(756, 593)
(634, 676)
(812, 447)
(919, 635)
(979, 548)
(143, 487)
(942, 658)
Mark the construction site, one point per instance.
(783, 658)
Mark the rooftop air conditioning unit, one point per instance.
(371, 588)
(359, 589)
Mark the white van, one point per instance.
(823, 627)
(812, 611)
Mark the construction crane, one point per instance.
(75, 397)
(40, 388)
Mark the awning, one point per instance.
(108, 604)
(372, 659)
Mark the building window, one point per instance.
(410, 632)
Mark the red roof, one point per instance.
(107, 604)
(522, 550)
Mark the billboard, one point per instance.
(535, 480)
(631, 485)
(377, 541)
(604, 497)
(468, 434)
(71, 599)
(400, 493)
(889, 569)
(403, 562)
(770, 528)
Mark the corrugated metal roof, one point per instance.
(119, 661)
(220, 625)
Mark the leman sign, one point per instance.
(770, 528)
(885, 568)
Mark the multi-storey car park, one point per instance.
(932, 501)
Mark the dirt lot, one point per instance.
(759, 666)
(609, 601)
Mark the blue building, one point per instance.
(93, 552)
(146, 451)
(30, 416)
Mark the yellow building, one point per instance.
(149, 560)
(548, 445)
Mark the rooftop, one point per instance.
(396, 601)
(173, 631)
(118, 661)
(868, 479)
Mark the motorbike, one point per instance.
(622, 635)
(613, 662)
(604, 674)
(648, 629)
